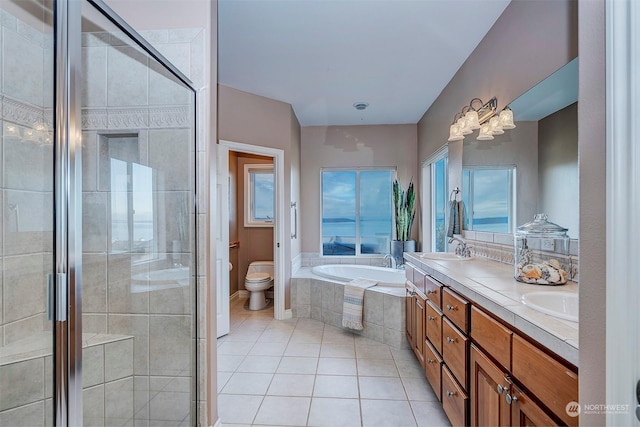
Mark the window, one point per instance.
(259, 195)
(488, 194)
(357, 211)
(440, 184)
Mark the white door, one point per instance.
(222, 242)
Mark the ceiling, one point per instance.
(322, 56)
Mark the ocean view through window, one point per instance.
(488, 195)
(357, 214)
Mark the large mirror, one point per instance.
(532, 168)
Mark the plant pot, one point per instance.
(398, 247)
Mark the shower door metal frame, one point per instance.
(67, 196)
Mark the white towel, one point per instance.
(353, 302)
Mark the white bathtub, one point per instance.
(347, 272)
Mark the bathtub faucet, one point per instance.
(392, 261)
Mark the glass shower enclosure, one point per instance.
(97, 195)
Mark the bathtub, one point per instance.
(346, 272)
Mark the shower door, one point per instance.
(138, 256)
(26, 208)
(97, 237)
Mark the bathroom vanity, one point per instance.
(490, 358)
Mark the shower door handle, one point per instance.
(50, 292)
(57, 293)
(294, 234)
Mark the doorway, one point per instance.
(229, 245)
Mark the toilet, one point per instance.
(259, 278)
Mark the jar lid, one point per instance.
(541, 227)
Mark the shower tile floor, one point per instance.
(301, 372)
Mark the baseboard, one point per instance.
(218, 423)
(239, 294)
(288, 314)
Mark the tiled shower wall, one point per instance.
(124, 96)
(26, 179)
(119, 99)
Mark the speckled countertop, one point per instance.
(491, 285)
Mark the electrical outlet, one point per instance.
(547, 244)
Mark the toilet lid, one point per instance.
(258, 277)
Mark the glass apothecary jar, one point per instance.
(541, 252)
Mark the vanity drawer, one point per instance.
(408, 271)
(494, 338)
(433, 289)
(550, 381)
(434, 326)
(419, 279)
(455, 347)
(433, 369)
(454, 399)
(456, 308)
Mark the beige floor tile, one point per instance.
(373, 352)
(336, 386)
(228, 363)
(298, 365)
(235, 348)
(386, 413)
(268, 349)
(294, 385)
(381, 388)
(337, 350)
(259, 364)
(284, 411)
(337, 366)
(302, 349)
(430, 414)
(247, 383)
(377, 368)
(327, 412)
(238, 409)
(409, 368)
(419, 389)
(223, 377)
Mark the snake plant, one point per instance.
(404, 204)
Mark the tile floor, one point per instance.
(301, 372)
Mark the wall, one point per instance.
(529, 41)
(256, 243)
(592, 166)
(351, 146)
(516, 147)
(256, 120)
(558, 195)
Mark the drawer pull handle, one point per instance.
(451, 340)
(430, 361)
(431, 318)
(429, 292)
(451, 393)
(510, 399)
(501, 389)
(451, 307)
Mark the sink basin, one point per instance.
(563, 305)
(444, 256)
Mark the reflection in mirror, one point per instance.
(487, 194)
(543, 148)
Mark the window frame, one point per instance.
(357, 170)
(432, 165)
(511, 198)
(249, 189)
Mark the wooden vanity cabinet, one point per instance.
(409, 315)
(489, 386)
(420, 332)
(525, 412)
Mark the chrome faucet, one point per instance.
(392, 261)
(462, 248)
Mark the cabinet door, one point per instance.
(420, 335)
(410, 318)
(525, 412)
(434, 326)
(488, 391)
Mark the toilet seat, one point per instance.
(258, 277)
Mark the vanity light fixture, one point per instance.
(483, 116)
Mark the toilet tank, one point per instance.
(261, 267)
